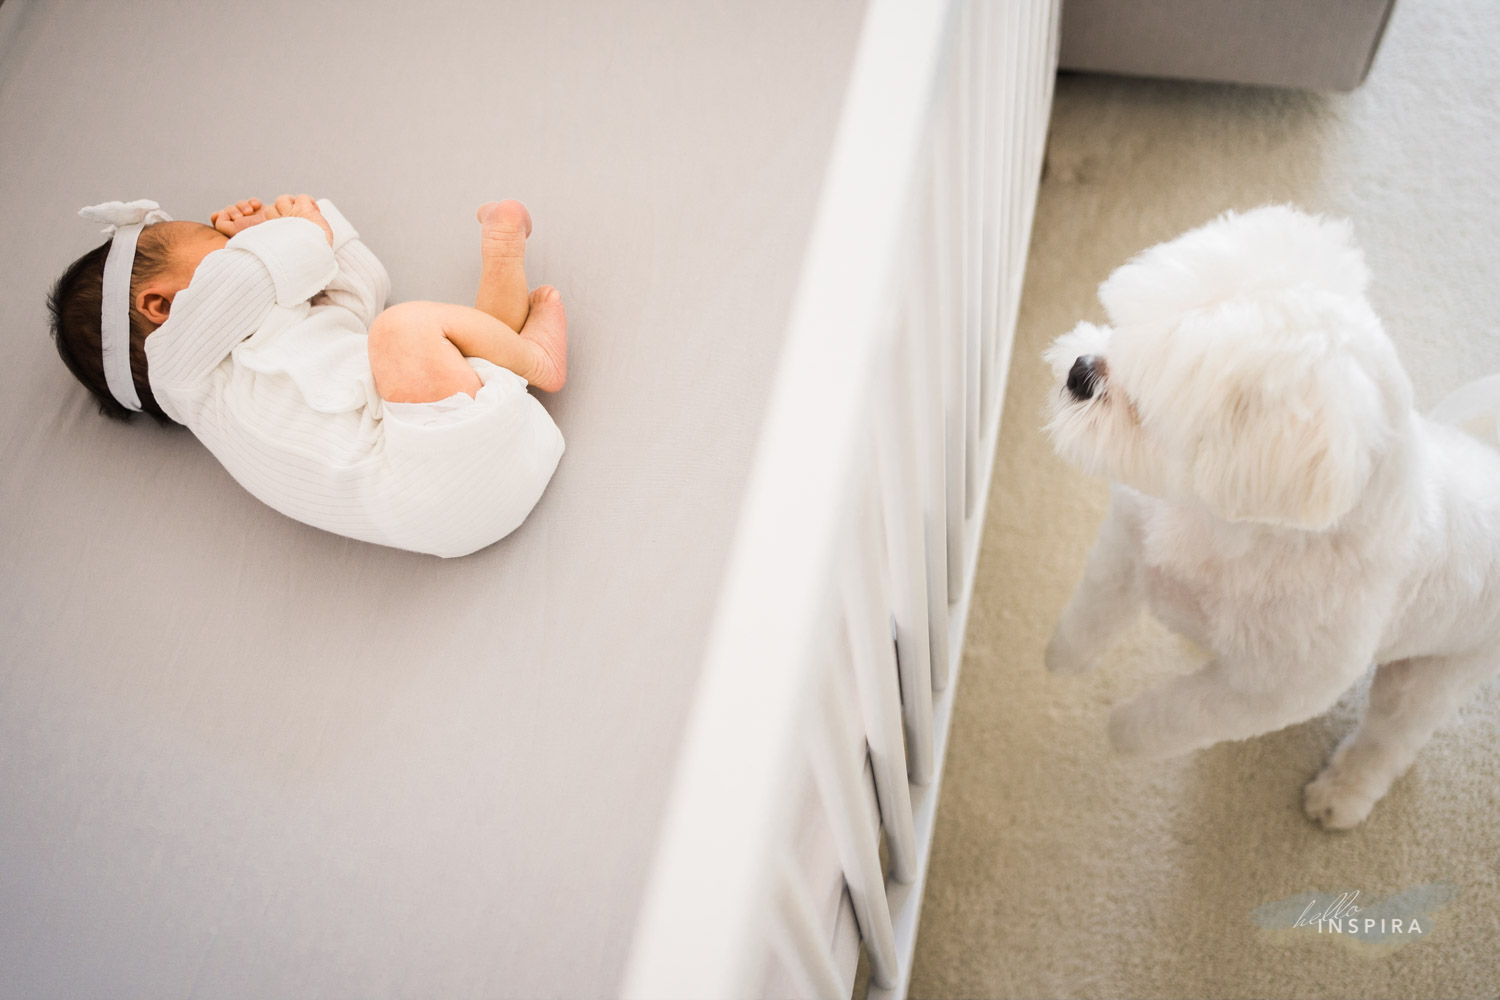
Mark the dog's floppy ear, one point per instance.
(1296, 455)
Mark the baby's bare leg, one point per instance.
(411, 359)
(417, 349)
(502, 253)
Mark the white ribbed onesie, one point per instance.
(264, 358)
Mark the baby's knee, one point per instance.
(404, 319)
(410, 358)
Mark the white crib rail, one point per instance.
(862, 518)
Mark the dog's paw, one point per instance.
(1064, 658)
(1335, 802)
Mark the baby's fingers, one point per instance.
(224, 220)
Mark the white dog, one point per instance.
(1275, 499)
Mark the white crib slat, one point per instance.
(984, 20)
(1046, 47)
(1008, 144)
(839, 784)
(1010, 74)
(1039, 65)
(1016, 69)
(1036, 57)
(866, 607)
(971, 41)
(953, 333)
(799, 941)
(999, 214)
(1015, 178)
(1053, 52)
(1055, 16)
(926, 313)
(1041, 68)
(991, 130)
(900, 467)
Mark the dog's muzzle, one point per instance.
(1083, 377)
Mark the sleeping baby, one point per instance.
(266, 334)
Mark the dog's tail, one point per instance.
(1476, 402)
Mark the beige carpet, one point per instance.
(1058, 871)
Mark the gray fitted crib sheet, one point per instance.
(240, 757)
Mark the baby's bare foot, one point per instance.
(547, 329)
(502, 254)
(506, 226)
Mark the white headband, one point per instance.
(124, 222)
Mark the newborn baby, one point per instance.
(265, 333)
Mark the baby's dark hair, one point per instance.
(75, 303)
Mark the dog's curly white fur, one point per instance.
(1276, 499)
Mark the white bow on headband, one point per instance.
(123, 221)
(117, 214)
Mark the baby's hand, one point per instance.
(301, 206)
(236, 218)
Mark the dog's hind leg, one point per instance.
(1409, 699)
(1109, 598)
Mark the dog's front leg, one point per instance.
(1108, 598)
(1226, 700)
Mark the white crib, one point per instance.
(840, 626)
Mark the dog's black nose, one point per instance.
(1082, 377)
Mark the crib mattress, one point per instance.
(240, 757)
